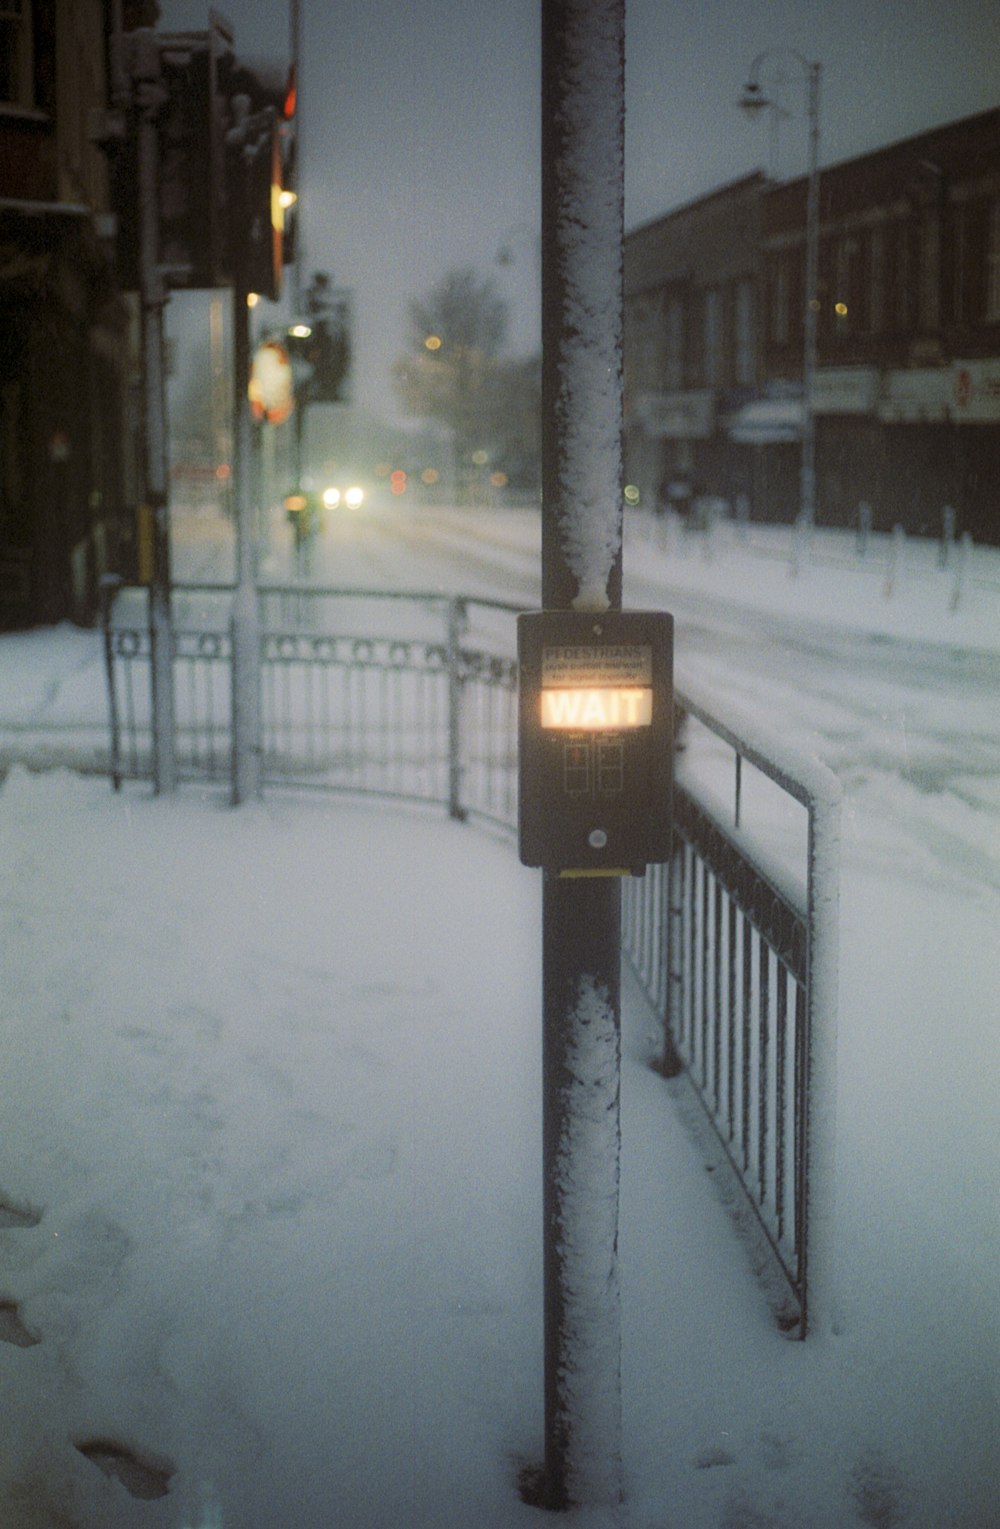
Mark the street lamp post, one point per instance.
(753, 101)
(507, 257)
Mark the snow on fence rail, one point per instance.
(735, 952)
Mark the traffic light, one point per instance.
(224, 131)
(191, 132)
(320, 344)
(260, 137)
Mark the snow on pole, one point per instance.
(820, 1316)
(583, 70)
(582, 303)
(581, 1073)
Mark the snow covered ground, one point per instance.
(270, 1105)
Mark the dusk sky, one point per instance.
(420, 123)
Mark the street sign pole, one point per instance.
(145, 79)
(246, 617)
(582, 230)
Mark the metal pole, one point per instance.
(110, 585)
(811, 316)
(456, 626)
(245, 617)
(583, 216)
(820, 1316)
(149, 97)
(754, 100)
(295, 43)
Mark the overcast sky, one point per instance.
(420, 122)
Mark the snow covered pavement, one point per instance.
(270, 1243)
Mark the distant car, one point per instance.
(349, 496)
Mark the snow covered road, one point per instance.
(896, 688)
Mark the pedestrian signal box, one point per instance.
(595, 740)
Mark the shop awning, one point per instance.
(767, 422)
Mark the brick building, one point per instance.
(67, 335)
(907, 387)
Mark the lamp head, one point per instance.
(753, 100)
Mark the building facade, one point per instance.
(691, 344)
(906, 396)
(68, 337)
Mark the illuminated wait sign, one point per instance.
(593, 709)
(597, 686)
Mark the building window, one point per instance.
(673, 359)
(780, 303)
(930, 271)
(17, 85)
(745, 369)
(643, 342)
(852, 288)
(844, 318)
(901, 277)
(993, 265)
(876, 280)
(976, 277)
(713, 338)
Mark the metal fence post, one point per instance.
(670, 1062)
(148, 93)
(456, 627)
(819, 1313)
(110, 585)
(245, 615)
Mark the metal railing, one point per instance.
(733, 943)
(737, 953)
(427, 715)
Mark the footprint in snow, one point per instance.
(12, 1214)
(142, 1475)
(711, 1458)
(12, 1329)
(373, 1160)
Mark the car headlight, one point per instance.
(354, 498)
(331, 498)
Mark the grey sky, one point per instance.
(420, 122)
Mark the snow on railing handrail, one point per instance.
(801, 774)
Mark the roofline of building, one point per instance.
(743, 183)
(955, 124)
(767, 184)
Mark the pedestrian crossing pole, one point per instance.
(583, 47)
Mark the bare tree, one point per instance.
(452, 371)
